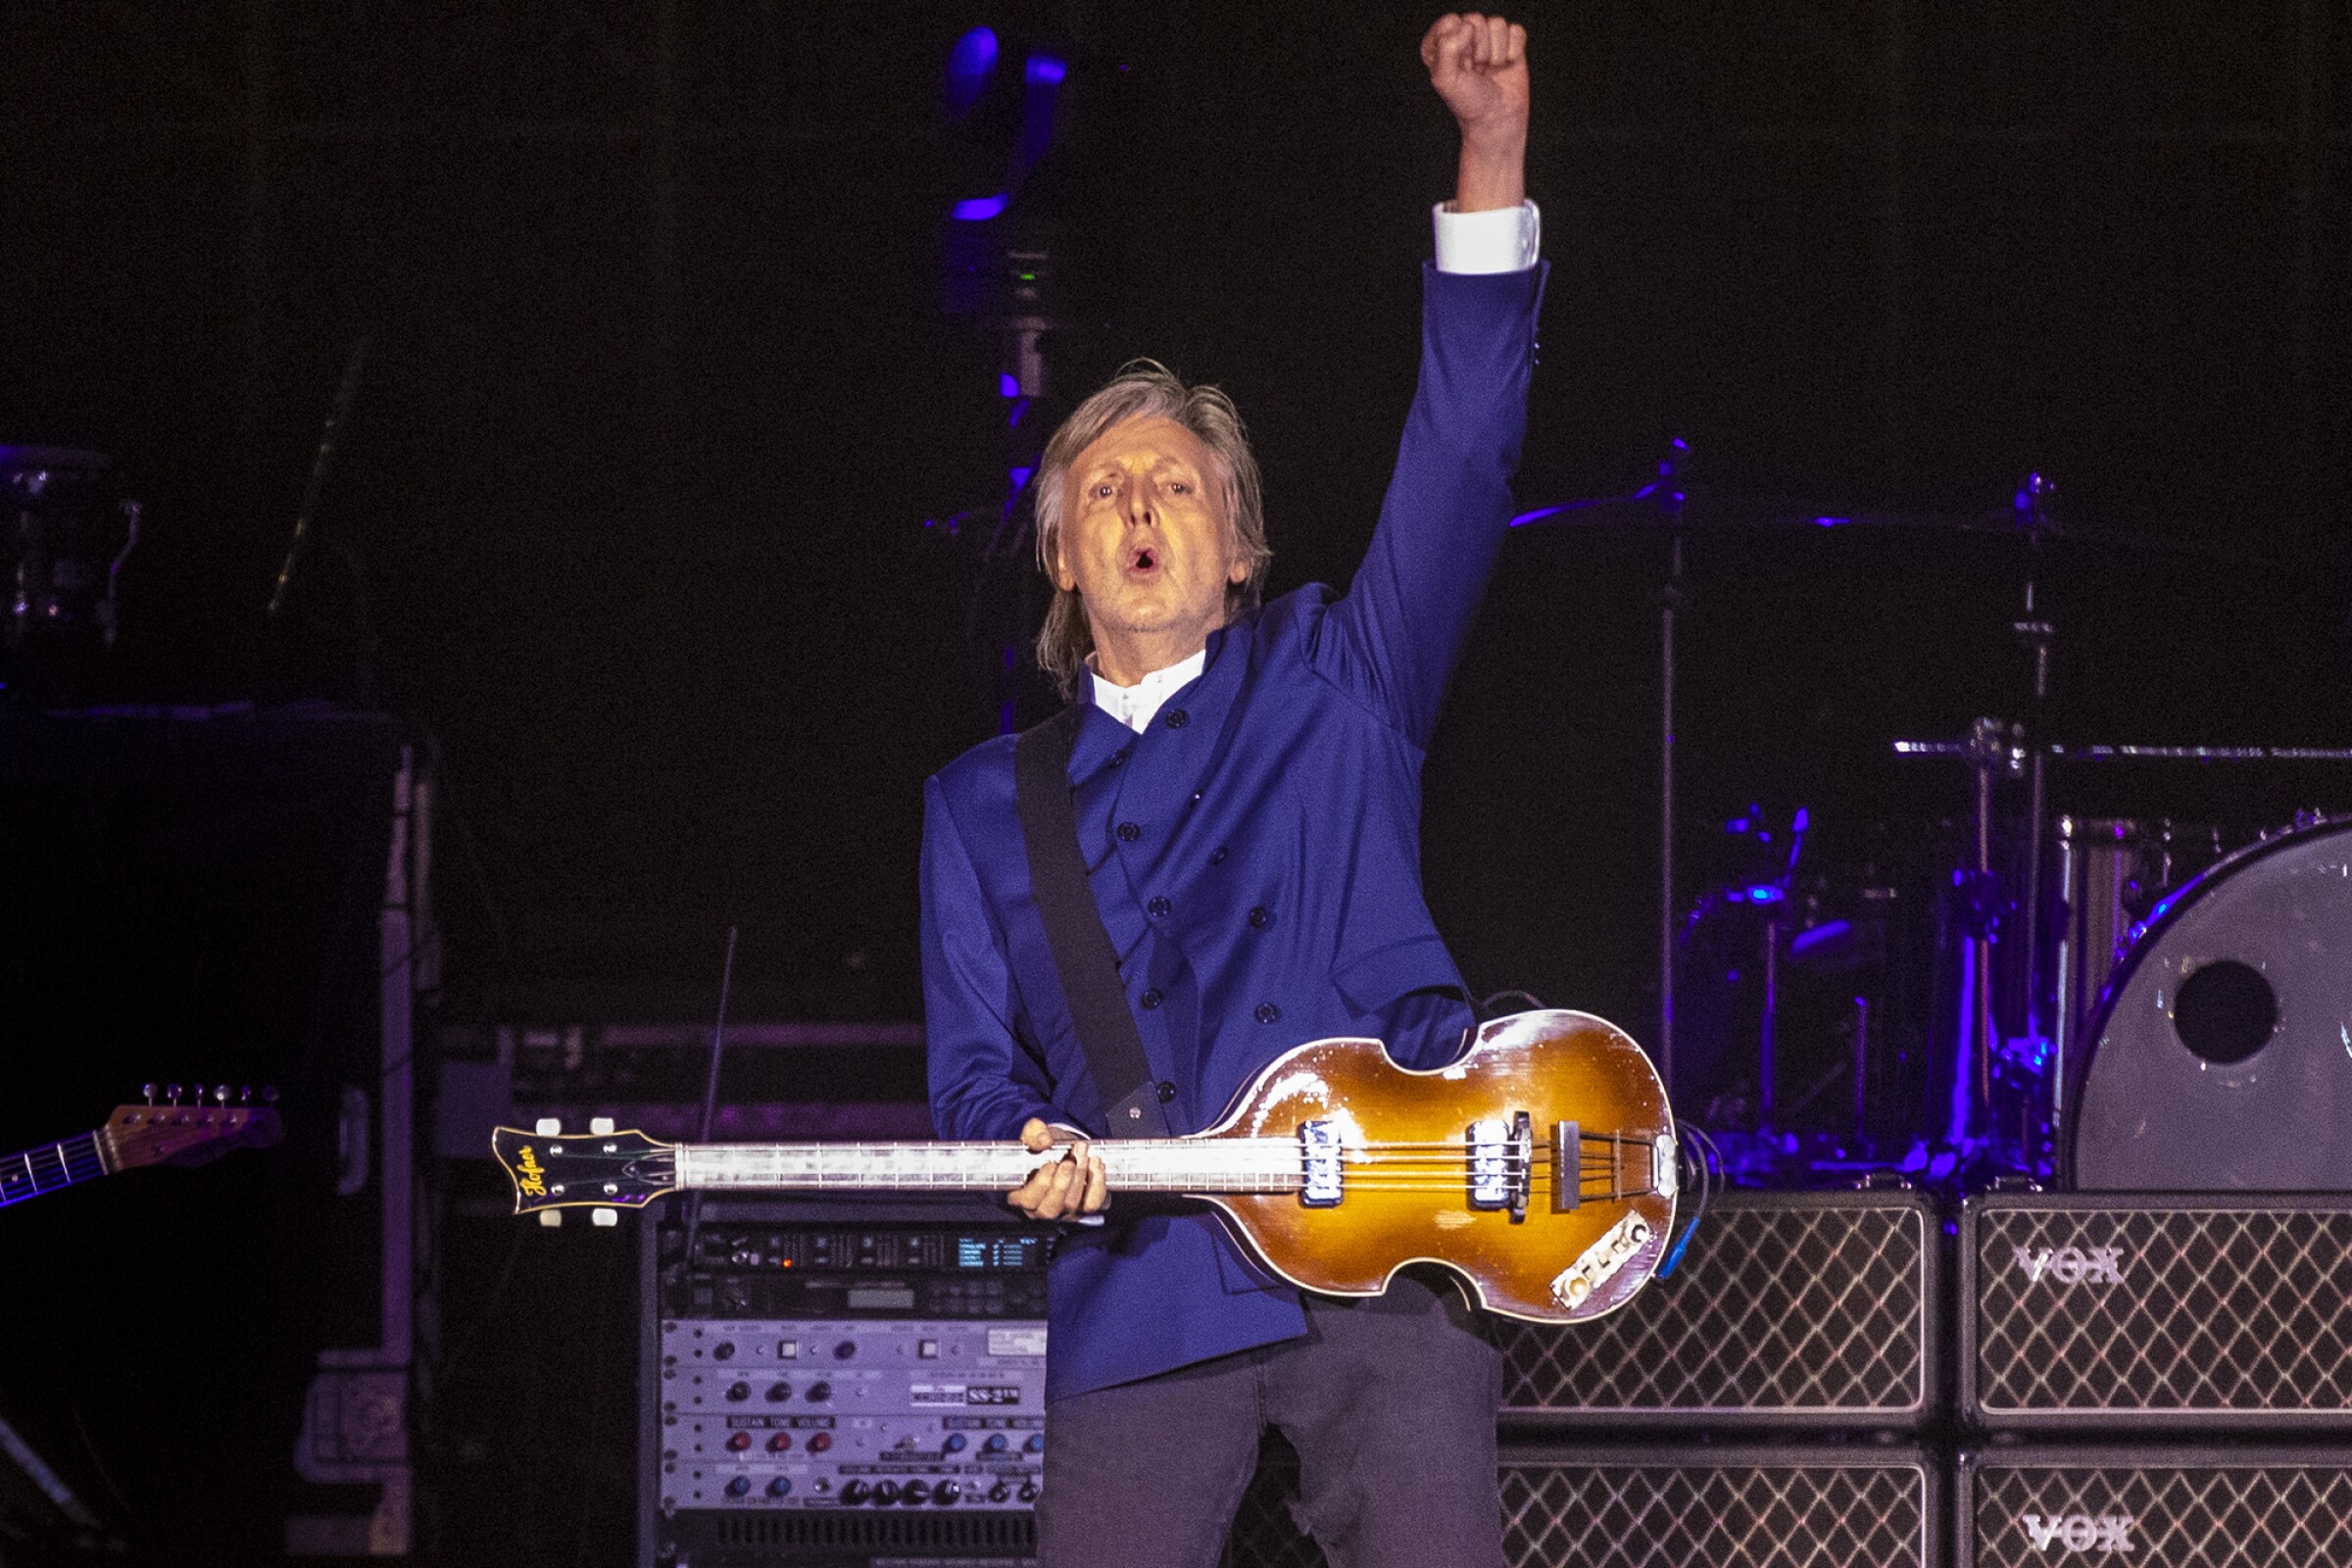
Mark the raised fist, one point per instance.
(1479, 66)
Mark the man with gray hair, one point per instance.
(1246, 783)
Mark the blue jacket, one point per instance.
(1256, 856)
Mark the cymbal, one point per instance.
(1658, 508)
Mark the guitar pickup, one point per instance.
(1490, 1142)
(1502, 1164)
(1319, 1153)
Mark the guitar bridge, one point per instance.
(1319, 1153)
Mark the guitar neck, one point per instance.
(50, 1166)
(1140, 1165)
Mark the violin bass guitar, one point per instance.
(1539, 1167)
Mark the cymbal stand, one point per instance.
(1671, 496)
(2036, 632)
(1989, 755)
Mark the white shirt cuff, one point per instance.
(1505, 239)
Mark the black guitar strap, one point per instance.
(1083, 953)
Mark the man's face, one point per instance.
(1146, 542)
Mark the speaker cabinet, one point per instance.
(1789, 1310)
(1769, 1508)
(2243, 1508)
(2155, 1312)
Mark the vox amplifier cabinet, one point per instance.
(1788, 1310)
(1635, 1507)
(2027, 1507)
(2151, 1312)
(843, 1385)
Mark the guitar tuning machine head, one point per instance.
(148, 1090)
(219, 1093)
(172, 1093)
(245, 1094)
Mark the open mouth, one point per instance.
(1144, 562)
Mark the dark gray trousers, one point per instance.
(1390, 1402)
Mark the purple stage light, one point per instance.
(980, 208)
(968, 66)
(1044, 76)
(1827, 932)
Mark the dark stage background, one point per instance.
(661, 392)
(630, 512)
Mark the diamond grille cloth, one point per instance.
(1661, 1514)
(1783, 1308)
(2285, 1515)
(2204, 1309)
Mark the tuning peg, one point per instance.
(219, 1093)
(600, 1125)
(601, 1215)
(148, 1090)
(172, 1093)
(547, 1126)
(551, 1217)
(245, 1095)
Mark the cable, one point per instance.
(1486, 1004)
(1702, 1146)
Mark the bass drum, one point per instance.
(2223, 1046)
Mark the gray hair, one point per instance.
(1144, 389)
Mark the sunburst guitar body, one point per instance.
(1540, 1167)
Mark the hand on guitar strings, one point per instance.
(1071, 1186)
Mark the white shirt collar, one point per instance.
(1133, 705)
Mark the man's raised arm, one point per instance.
(1478, 64)
(1395, 637)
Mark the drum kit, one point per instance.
(69, 530)
(2114, 1002)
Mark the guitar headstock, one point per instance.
(604, 1169)
(174, 1133)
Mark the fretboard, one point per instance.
(1140, 1165)
(50, 1166)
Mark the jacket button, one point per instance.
(1150, 999)
(1117, 756)
(1177, 719)
(1129, 832)
(1158, 907)
(1216, 855)
(1267, 1012)
(1167, 1094)
(1260, 918)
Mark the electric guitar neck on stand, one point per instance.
(1540, 1167)
(170, 1134)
